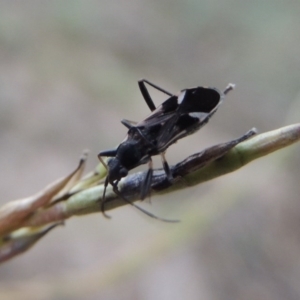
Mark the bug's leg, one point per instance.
(108, 153)
(166, 167)
(156, 87)
(147, 181)
(146, 94)
(127, 123)
(102, 161)
(104, 200)
(168, 172)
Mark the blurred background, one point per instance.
(68, 75)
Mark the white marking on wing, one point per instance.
(181, 97)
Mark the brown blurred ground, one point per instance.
(68, 72)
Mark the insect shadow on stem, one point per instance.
(179, 116)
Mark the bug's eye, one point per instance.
(123, 172)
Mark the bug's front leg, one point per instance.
(129, 124)
(104, 201)
(102, 161)
(107, 153)
(168, 172)
(166, 168)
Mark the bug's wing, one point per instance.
(161, 114)
(200, 100)
(195, 107)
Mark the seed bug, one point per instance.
(178, 116)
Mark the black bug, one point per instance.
(179, 116)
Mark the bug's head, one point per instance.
(127, 156)
(116, 170)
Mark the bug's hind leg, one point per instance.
(146, 186)
(146, 95)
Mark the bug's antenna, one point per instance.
(229, 87)
(115, 189)
(104, 200)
